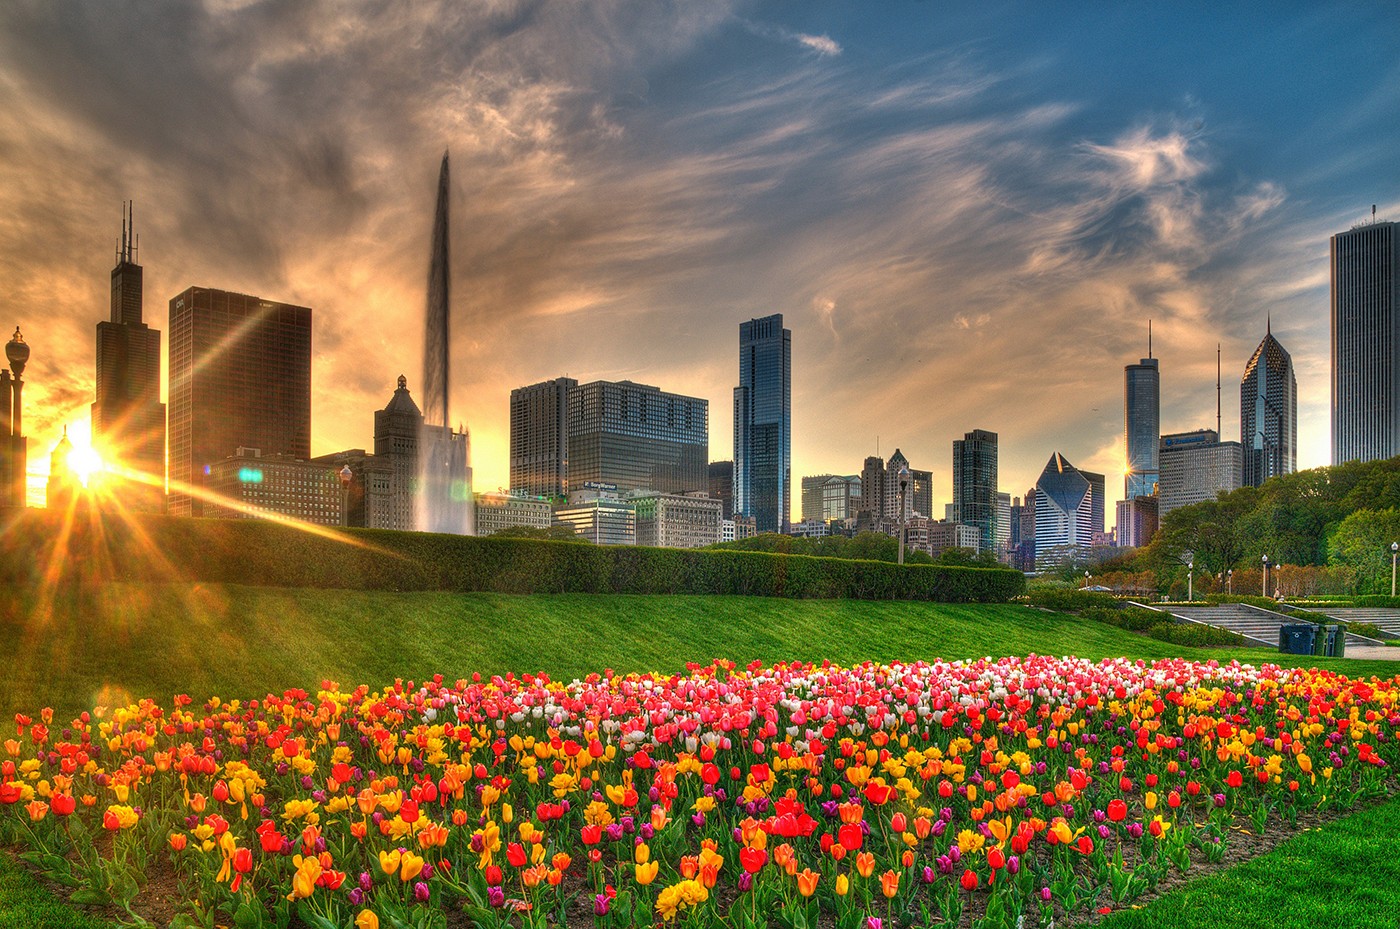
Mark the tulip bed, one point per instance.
(1006, 792)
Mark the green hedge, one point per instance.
(245, 551)
(1264, 603)
(1379, 600)
(1071, 599)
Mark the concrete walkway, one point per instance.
(1374, 652)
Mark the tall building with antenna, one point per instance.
(1365, 343)
(1268, 413)
(1142, 423)
(128, 419)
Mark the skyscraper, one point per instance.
(128, 419)
(1365, 344)
(812, 506)
(240, 377)
(975, 485)
(763, 424)
(1064, 507)
(1142, 423)
(722, 485)
(539, 438)
(1268, 414)
(637, 437)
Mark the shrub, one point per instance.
(1379, 600)
(1069, 599)
(267, 554)
(1265, 603)
(1194, 635)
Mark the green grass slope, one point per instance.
(1343, 874)
(125, 641)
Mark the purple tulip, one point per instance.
(601, 904)
(421, 892)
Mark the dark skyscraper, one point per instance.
(975, 484)
(1268, 414)
(240, 376)
(722, 486)
(128, 419)
(539, 438)
(1142, 423)
(763, 424)
(1365, 343)
(638, 437)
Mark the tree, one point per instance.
(1362, 543)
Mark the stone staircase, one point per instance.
(1258, 626)
(1386, 620)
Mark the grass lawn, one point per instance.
(27, 904)
(1344, 874)
(127, 641)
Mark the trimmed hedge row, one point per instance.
(262, 553)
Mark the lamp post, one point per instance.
(1394, 548)
(1264, 579)
(345, 476)
(1190, 590)
(1086, 580)
(1230, 581)
(903, 483)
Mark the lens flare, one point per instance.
(85, 464)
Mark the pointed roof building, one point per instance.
(1064, 511)
(1268, 413)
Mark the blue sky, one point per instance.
(966, 213)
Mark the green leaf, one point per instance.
(89, 896)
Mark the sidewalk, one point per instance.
(1374, 652)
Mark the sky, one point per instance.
(965, 213)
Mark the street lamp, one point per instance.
(345, 476)
(1264, 579)
(1229, 581)
(903, 483)
(1190, 567)
(1086, 580)
(1394, 547)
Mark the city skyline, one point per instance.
(977, 243)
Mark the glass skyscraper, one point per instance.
(763, 424)
(975, 485)
(1268, 414)
(1142, 423)
(1365, 374)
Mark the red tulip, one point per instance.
(1117, 810)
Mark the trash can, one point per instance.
(1337, 648)
(1296, 638)
(1322, 642)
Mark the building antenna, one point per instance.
(1217, 391)
(1149, 340)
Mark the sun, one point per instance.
(85, 463)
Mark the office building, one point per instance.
(63, 486)
(677, 521)
(975, 485)
(812, 500)
(1024, 558)
(1142, 423)
(397, 431)
(810, 529)
(369, 492)
(1064, 512)
(565, 435)
(840, 497)
(251, 485)
(1365, 343)
(942, 536)
(240, 376)
(539, 438)
(128, 419)
(638, 437)
(1137, 521)
(1003, 534)
(600, 518)
(498, 511)
(1268, 414)
(14, 445)
(763, 424)
(1196, 466)
(722, 485)
(1098, 513)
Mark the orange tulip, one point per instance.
(807, 882)
(889, 884)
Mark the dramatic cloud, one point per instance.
(965, 225)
